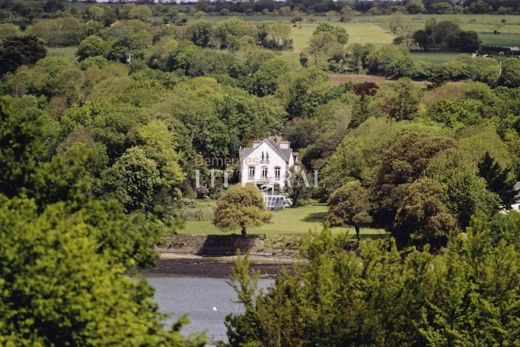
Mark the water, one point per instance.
(205, 300)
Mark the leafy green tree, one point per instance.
(337, 31)
(467, 192)
(96, 13)
(350, 205)
(453, 113)
(9, 30)
(17, 51)
(498, 180)
(422, 38)
(27, 136)
(390, 60)
(228, 32)
(239, 208)
(143, 13)
(162, 55)
(266, 78)
(92, 46)
(57, 289)
(199, 32)
(302, 91)
(59, 32)
(423, 217)
(71, 174)
(402, 164)
(275, 36)
(404, 104)
(133, 179)
(510, 76)
(381, 296)
(415, 6)
(469, 41)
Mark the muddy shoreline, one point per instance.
(213, 255)
(214, 267)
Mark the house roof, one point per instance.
(274, 143)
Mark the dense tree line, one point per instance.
(26, 10)
(466, 295)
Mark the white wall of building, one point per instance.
(254, 159)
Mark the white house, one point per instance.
(267, 162)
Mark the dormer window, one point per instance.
(264, 158)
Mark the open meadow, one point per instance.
(289, 221)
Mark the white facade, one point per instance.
(267, 162)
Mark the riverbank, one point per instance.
(213, 255)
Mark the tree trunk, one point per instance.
(357, 232)
(243, 230)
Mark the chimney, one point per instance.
(284, 144)
(256, 143)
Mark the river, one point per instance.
(205, 300)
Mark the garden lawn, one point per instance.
(297, 220)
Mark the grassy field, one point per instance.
(358, 33)
(435, 57)
(299, 220)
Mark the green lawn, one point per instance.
(298, 220)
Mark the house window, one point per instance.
(264, 172)
(277, 173)
(251, 172)
(265, 158)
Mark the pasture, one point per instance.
(494, 30)
(358, 33)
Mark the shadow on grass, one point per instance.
(316, 217)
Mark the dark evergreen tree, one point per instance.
(498, 179)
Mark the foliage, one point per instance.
(17, 51)
(350, 205)
(423, 215)
(92, 46)
(239, 208)
(57, 288)
(402, 164)
(378, 295)
(498, 179)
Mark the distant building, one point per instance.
(266, 164)
(267, 161)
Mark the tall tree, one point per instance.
(350, 205)
(239, 208)
(401, 165)
(423, 216)
(498, 179)
(58, 289)
(20, 50)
